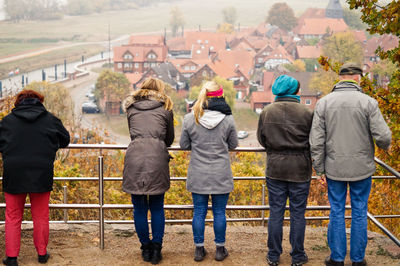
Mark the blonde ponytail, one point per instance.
(198, 108)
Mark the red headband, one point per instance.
(217, 93)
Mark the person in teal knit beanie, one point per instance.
(286, 86)
(283, 130)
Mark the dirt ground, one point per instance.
(79, 245)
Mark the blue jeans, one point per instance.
(278, 192)
(200, 202)
(359, 194)
(142, 204)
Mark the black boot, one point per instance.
(10, 261)
(331, 262)
(147, 250)
(360, 263)
(43, 258)
(156, 256)
(221, 253)
(199, 253)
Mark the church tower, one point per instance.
(334, 9)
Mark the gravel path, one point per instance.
(78, 245)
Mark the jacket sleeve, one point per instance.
(378, 127)
(62, 133)
(170, 135)
(317, 139)
(232, 135)
(260, 133)
(185, 142)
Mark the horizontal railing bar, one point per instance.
(172, 148)
(256, 178)
(383, 228)
(167, 207)
(256, 219)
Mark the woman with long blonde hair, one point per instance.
(209, 132)
(146, 167)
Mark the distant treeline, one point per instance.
(17, 10)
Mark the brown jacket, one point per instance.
(151, 127)
(283, 129)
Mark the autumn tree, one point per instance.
(112, 84)
(225, 28)
(229, 15)
(343, 47)
(57, 99)
(17, 10)
(352, 19)
(282, 15)
(229, 91)
(297, 66)
(177, 20)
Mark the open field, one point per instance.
(94, 27)
(72, 54)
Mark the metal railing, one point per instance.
(101, 206)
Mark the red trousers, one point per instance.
(40, 216)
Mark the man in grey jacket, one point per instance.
(346, 122)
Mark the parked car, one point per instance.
(90, 108)
(242, 134)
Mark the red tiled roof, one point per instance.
(216, 41)
(140, 53)
(146, 40)
(318, 26)
(304, 52)
(279, 53)
(312, 13)
(359, 35)
(176, 44)
(200, 51)
(268, 80)
(182, 62)
(238, 59)
(262, 96)
(133, 77)
(387, 42)
(222, 69)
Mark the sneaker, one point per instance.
(272, 263)
(10, 261)
(303, 261)
(221, 253)
(331, 262)
(199, 253)
(43, 258)
(360, 263)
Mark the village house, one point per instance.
(142, 53)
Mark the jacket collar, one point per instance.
(143, 94)
(287, 99)
(347, 85)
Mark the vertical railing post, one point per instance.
(101, 202)
(65, 199)
(263, 203)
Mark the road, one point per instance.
(78, 89)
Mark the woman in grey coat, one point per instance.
(146, 168)
(209, 132)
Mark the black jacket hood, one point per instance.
(29, 110)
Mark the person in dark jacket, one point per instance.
(283, 129)
(146, 167)
(29, 139)
(209, 132)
